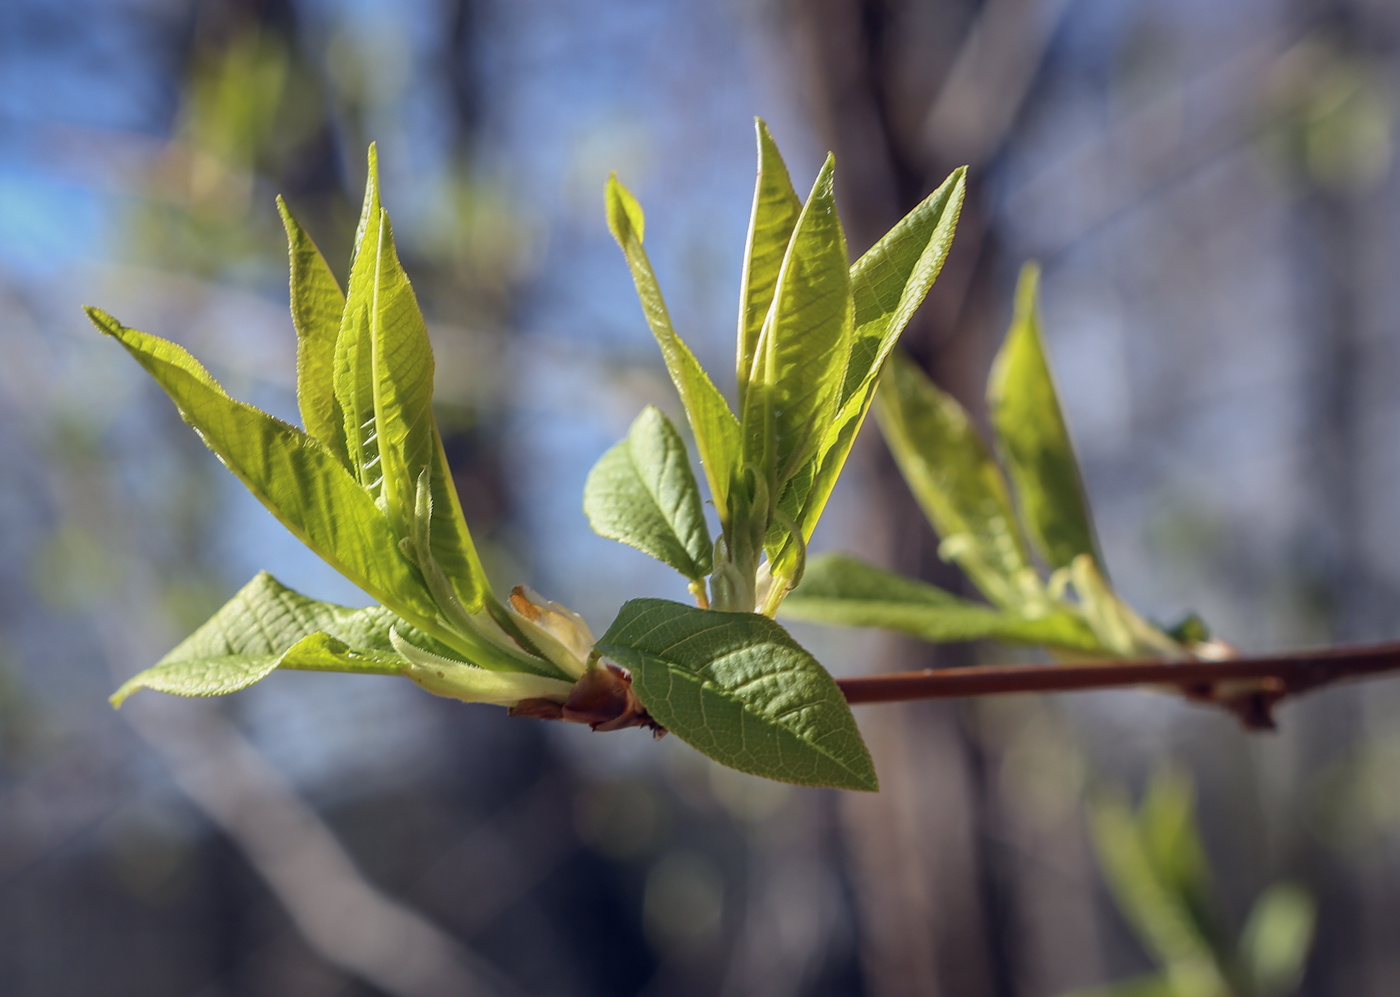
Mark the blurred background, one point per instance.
(1211, 190)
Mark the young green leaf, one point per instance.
(841, 590)
(715, 428)
(642, 493)
(736, 687)
(317, 306)
(775, 210)
(954, 478)
(267, 626)
(892, 279)
(888, 284)
(296, 477)
(354, 347)
(1161, 919)
(383, 382)
(1033, 439)
(1277, 937)
(802, 352)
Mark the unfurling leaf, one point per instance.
(888, 284)
(800, 358)
(384, 383)
(642, 493)
(775, 210)
(1034, 441)
(736, 687)
(956, 481)
(317, 307)
(839, 589)
(296, 477)
(715, 428)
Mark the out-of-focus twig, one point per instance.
(1249, 687)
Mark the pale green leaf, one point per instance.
(888, 284)
(317, 306)
(840, 590)
(775, 210)
(354, 348)
(296, 477)
(802, 352)
(892, 279)
(407, 434)
(642, 493)
(715, 428)
(1165, 924)
(267, 626)
(736, 687)
(1033, 439)
(952, 474)
(384, 384)
(1277, 937)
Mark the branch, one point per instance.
(1248, 687)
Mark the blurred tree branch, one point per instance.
(1248, 687)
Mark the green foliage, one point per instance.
(642, 493)
(715, 428)
(967, 499)
(802, 352)
(839, 589)
(267, 626)
(813, 333)
(1033, 439)
(1157, 871)
(366, 485)
(738, 688)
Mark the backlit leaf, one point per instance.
(888, 284)
(802, 352)
(841, 590)
(317, 306)
(296, 477)
(1033, 439)
(775, 210)
(953, 476)
(715, 428)
(266, 626)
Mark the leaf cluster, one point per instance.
(367, 487)
(1023, 536)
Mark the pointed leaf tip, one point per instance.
(1033, 437)
(624, 211)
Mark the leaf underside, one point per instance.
(267, 626)
(736, 687)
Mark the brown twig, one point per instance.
(1248, 687)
